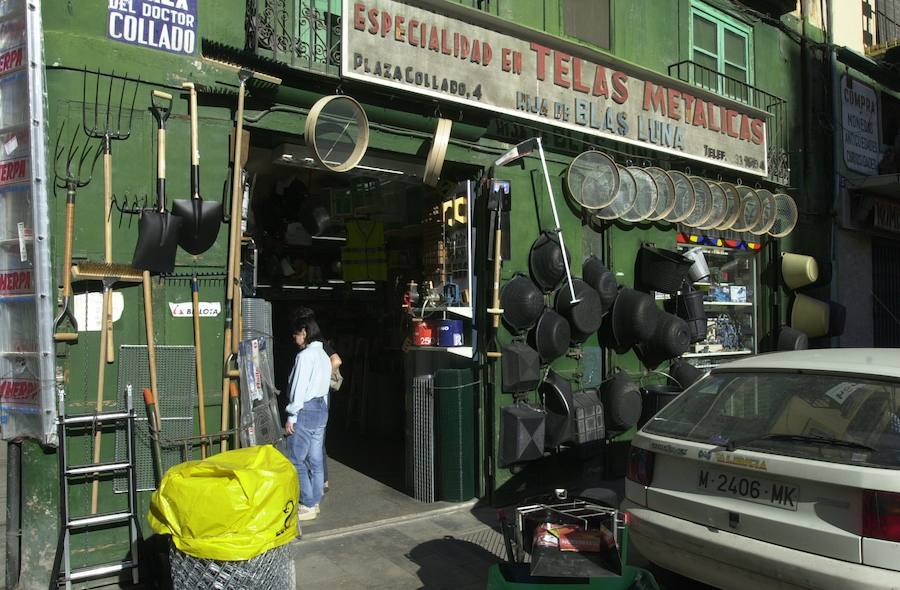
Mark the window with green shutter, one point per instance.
(722, 51)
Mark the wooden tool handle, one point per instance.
(498, 261)
(195, 153)
(223, 445)
(236, 192)
(67, 249)
(107, 207)
(108, 313)
(198, 352)
(101, 384)
(151, 344)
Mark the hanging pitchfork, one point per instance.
(114, 125)
(77, 173)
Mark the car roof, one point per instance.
(864, 361)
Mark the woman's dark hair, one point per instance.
(305, 319)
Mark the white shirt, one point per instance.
(310, 378)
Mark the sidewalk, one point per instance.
(449, 548)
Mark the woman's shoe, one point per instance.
(307, 513)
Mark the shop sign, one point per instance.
(167, 25)
(859, 107)
(12, 60)
(409, 48)
(14, 171)
(186, 310)
(887, 216)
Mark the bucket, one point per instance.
(450, 333)
(423, 334)
(699, 270)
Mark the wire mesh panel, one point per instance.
(272, 570)
(177, 391)
(423, 438)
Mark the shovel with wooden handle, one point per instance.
(495, 309)
(198, 351)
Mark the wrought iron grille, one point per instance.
(305, 34)
(778, 131)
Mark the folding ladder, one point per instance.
(63, 574)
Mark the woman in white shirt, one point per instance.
(308, 413)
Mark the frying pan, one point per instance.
(592, 179)
(158, 229)
(202, 219)
(522, 303)
(585, 315)
(547, 262)
(560, 407)
(551, 336)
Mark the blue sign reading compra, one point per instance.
(169, 25)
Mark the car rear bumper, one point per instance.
(726, 560)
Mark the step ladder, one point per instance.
(63, 574)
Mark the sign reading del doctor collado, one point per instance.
(167, 25)
(424, 51)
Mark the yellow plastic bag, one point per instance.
(232, 506)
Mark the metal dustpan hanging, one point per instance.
(201, 219)
(158, 229)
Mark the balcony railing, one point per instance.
(305, 34)
(778, 132)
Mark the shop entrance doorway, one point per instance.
(346, 245)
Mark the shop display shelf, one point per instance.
(465, 351)
(729, 303)
(722, 353)
(465, 312)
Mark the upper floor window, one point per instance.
(881, 22)
(587, 20)
(721, 46)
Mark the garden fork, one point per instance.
(107, 128)
(77, 173)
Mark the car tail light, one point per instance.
(881, 515)
(640, 466)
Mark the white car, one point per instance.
(780, 471)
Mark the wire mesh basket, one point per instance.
(272, 570)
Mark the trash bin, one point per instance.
(230, 518)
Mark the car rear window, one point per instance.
(832, 418)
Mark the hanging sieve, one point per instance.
(702, 203)
(732, 207)
(767, 218)
(786, 215)
(751, 209)
(592, 180)
(719, 207)
(684, 197)
(624, 199)
(666, 191)
(646, 196)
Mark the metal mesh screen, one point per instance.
(423, 438)
(272, 570)
(177, 390)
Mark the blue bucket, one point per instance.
(450, 333)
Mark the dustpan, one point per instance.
(201, 219)
(158, 229)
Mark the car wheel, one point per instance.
(669, 580)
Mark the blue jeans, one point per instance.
(306, 449)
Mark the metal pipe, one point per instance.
(13, 513)
(562, 244)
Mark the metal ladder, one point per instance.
(62, 566)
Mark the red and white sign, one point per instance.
(14, 171)
(19, 391)
(16, 282)
(12, 60)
